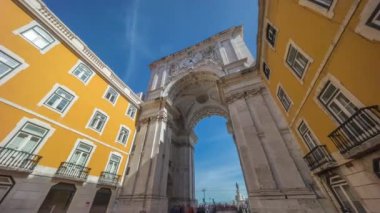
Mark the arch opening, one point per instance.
(217, 164)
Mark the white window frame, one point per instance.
(47, 96)
(327, 12)
(23, 65)
(363, 28)
(267, 22)
(299, 50)
(106, 92)
(130, 106)
(339, 183)
(87, 142)
(32, 24)
(223, 49)
(340, 87)
(20, 124)
(93, 114)
(287, 96)
(71, 72)
(109, 158)
(307, 131)
(117, 136)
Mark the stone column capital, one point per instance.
(242, 94)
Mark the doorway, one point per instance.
(58, 199)
(101, 200)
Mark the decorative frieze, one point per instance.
(244, 94)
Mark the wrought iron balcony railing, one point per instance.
(18, 160)
(318, 156)
(73, 171)
(107, 178)
(360, 127)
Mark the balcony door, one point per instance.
(27, 138)
(338, 104)
(78, 159)
(81, 154)
(23, 143)
(113, 164)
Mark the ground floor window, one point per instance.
(101, 200)
(343, 194)
(6, 184)
(59, 198)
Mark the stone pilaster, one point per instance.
(144, 188)
(273, 180)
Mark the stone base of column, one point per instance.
(185, 202)
(301, 200)
(141, 204)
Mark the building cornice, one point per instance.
(54, 24)
(231, 31)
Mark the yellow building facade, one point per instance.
(67, 121)
(320, 59)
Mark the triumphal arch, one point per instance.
(217, 76)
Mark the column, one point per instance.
(273, 180)
(144, 188)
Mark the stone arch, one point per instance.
(200, 84)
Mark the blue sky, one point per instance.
(130, 34)
(217, 166)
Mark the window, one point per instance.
(285, 100)
(111, 95)
(323, 3)
(336, 102)
(7, 64)
(127, 170)
(113, 164)
(228, 52)
(374, 19)
(6, 184)
(307, 136)
(38, 36)
(266, 70)
(296, 61)
(59, 100)
(271, 34)
(81, 154)
(131, 112)
(376, 166)
(82, 72)
(27, 138)
(123, 135)
(10, 64)
(133, 149)
(344, 195)
(98, 121)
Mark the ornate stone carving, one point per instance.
(195, 59)
(208, 111)
(239, 95)
(160, 116)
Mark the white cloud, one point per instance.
(132, 19)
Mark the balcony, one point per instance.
(108, 179)
(11, 159)
(319, 159)
(359, 134)
(72, 171)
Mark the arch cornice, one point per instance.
(205, 112)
